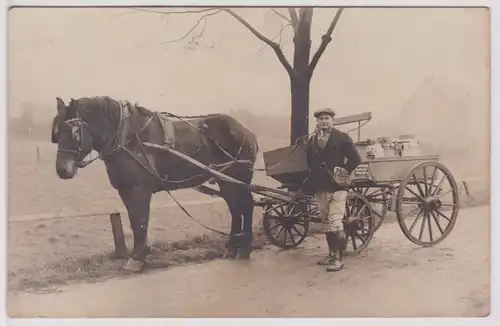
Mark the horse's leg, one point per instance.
(246, 205)
(231, 198)
(241, 198)
(137, 200)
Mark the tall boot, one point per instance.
(341, 240)
(338, 262)
(332, 249)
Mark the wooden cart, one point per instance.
(421, 191)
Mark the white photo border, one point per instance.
(495, 178)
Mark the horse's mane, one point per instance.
(88, 104)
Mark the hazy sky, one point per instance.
(377, 61)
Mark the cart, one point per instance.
(421, 191)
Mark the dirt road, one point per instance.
(391, 278)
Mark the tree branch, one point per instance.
(281, 15)
(164, 13)
(280, 33)
(264, 39)
(325, 39)
(202, 18)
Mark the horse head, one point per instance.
(84, 125)
(73, 137)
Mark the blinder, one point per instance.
(81, 137)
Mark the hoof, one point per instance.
(336, 266)
(244, 254)
(133, 265)
(229, 254)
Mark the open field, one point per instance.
(35, 188)
(41, 236)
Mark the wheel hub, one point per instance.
(431, 203)
(354, 223)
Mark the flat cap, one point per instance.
(324, 110)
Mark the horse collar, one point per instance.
(119, 138)
(124, 124)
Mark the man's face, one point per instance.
(324, 121)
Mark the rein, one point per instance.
(119, 142)
(121, 130)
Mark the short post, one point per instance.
(466, 188)
(118, 236)
(38, 158)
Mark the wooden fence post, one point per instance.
(118, 236)
(466, 188)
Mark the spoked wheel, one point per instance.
(359, 223)
(379, 199)
(427, 203)
(286, 224)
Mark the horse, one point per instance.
(118, 131)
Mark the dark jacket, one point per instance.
(339, 147)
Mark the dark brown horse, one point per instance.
(118, 131)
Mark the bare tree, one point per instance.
(302, 68)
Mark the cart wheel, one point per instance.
(379, 199)
(359, 223)
(286, 225)
(429, 195)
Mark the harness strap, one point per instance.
(195, 220)
(167, 128)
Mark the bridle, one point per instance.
(81, 152)
(117, 141)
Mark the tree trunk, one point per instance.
(300, 79)
(300, 107)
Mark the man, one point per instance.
(331, 152)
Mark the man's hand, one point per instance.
(341, 176)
